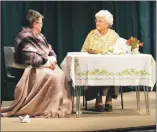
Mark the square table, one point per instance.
(110, 70)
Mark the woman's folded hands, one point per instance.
(51, 62)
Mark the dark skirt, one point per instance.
(92, 92)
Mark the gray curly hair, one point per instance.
(33, 16)
(106, 15)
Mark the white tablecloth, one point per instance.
(105, 70)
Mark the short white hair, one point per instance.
(108, 17)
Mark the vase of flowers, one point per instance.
(134, 44)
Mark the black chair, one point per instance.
(85, 102)
(12, 71)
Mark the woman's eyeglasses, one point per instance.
(99, 21)
(40, 23)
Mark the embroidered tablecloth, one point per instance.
(105, 70)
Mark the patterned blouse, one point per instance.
(96, 43)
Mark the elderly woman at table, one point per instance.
(43, 89)
(101, 40)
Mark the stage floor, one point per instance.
(90, 120)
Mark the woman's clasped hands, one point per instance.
(51, 62)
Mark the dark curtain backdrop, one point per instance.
(67, 23)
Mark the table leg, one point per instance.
(138, 97)
(121, 89)
(79, 93)
(148, 108)
(73, 99)
(146, 95)
(78, 111)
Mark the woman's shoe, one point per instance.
(108, 107)
(99, 108)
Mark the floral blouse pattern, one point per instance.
(97, 43)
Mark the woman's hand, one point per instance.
(51, 63)
(93, 51)
(52, 60)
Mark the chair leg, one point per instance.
(121, 90)
(85, 104)
(85, 101)
(2, 91)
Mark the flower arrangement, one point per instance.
(134, 43)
